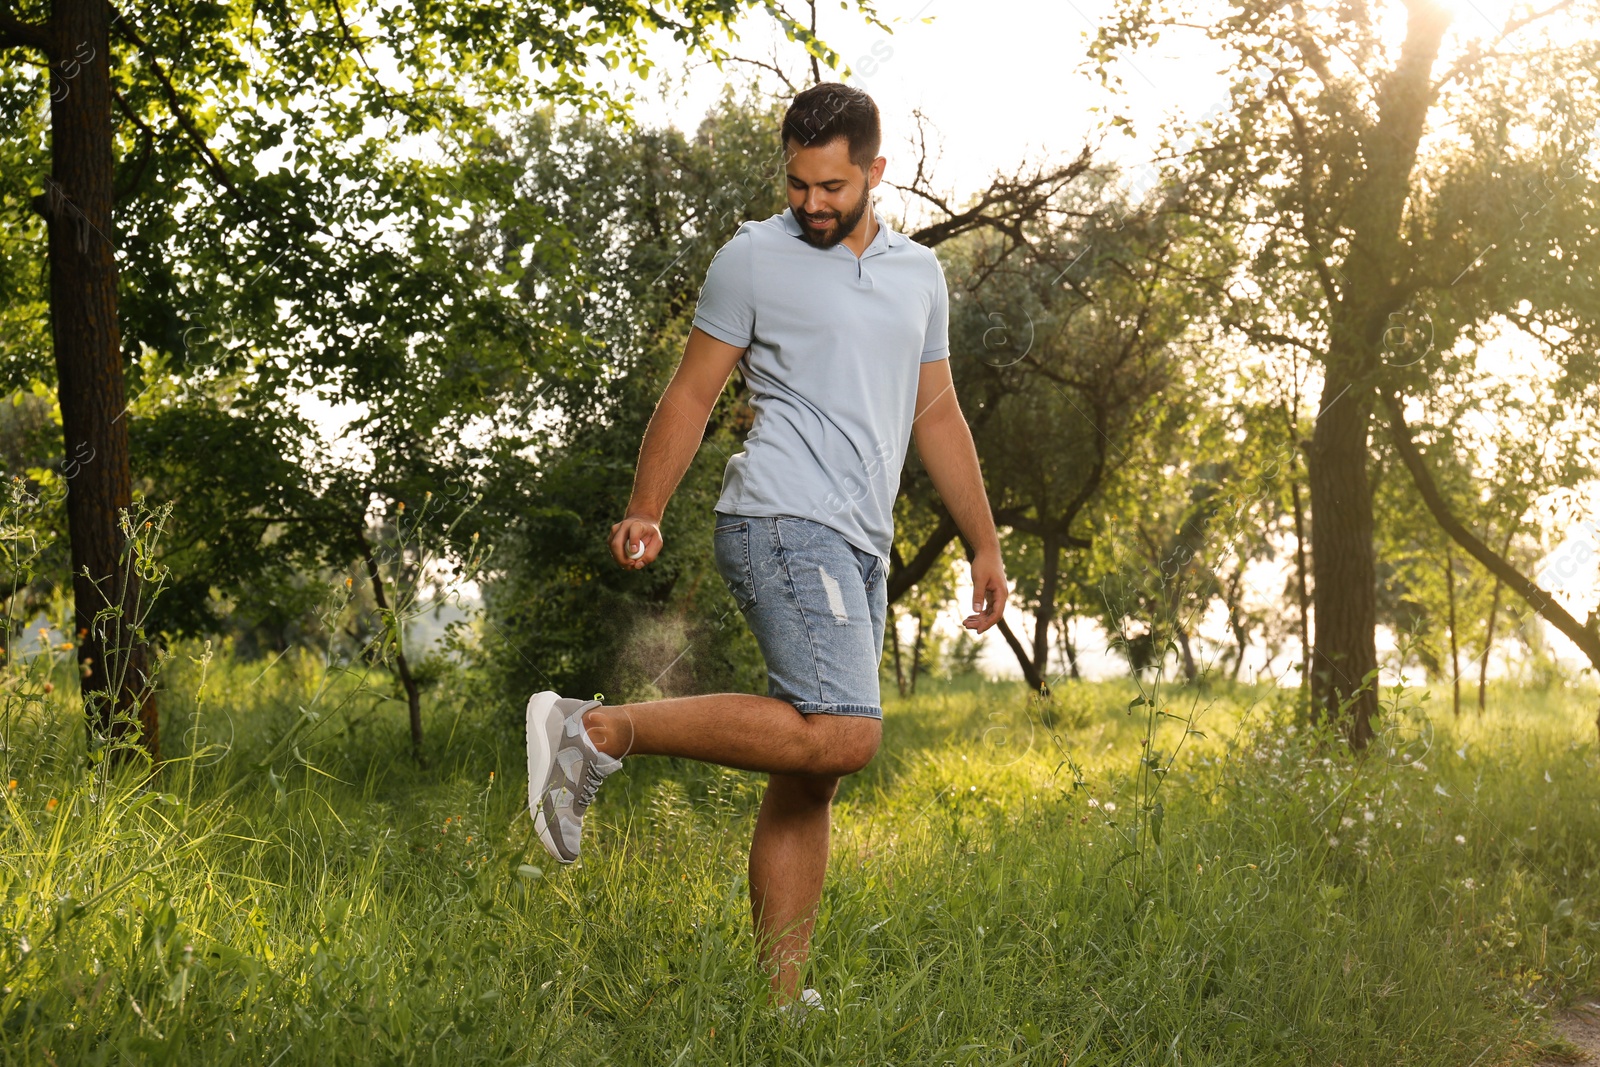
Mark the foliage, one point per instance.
(1376, 192)
(1064, 358)
(295, 183)
(641, 214)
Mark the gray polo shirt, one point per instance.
(833, 348)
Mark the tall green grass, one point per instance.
(292, 888)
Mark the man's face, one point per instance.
(827, 192)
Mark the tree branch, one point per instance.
(1302, 143)
(149, 145)
(20, 33)
(816, 69)
(185, 121)
(902, 575)
(1585, 635)
(1003, 206)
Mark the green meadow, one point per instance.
(1173, 875)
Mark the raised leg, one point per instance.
(750, 733)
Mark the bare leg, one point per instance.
(788, 859)
(750, 733)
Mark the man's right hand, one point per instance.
(626, 537)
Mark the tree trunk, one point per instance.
(1030, 672)
(1455, 647)
(87, 340)
(1240, 638)
(1344, 660)
(1300, 570)
(1190, 672)
(1230, 599)
(894, 637)
(916, 654)
(1046, 610)
(1488, 626)
(402, 665)
(1069, 651)
(1488, 647)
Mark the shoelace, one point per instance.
(591, 786)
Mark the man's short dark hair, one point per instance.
(825, 112)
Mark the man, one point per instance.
(841, 326)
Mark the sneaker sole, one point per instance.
(541, 758)
(546, 840)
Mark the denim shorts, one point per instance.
(816, 604)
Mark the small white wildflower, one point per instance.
(1346, 821)
(1093, 803)
(1437, 788)
(1367, 816)
(1460, 840)
(1468, 883)
(1397, 824)
(1333, 842)
(1547, 777)
(1111, 805)
(1419, 765)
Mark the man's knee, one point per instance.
(846, 743)
(803, 790)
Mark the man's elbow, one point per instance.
(688, 402)
(937, 423)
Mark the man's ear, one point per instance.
(875, 172)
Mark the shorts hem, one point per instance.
(860, 711)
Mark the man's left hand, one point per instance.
(988, 591)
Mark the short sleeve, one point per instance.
(936, 342)
(727, 307)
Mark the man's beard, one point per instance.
(845, 225)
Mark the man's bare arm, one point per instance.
(945, 444)
(670, 443)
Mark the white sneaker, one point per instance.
(798, 1011)
(564, 771)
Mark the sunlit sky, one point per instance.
(998, 82)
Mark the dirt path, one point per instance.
(1581, 1026)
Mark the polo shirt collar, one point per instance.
(885, 237)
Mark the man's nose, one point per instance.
(814, 203)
